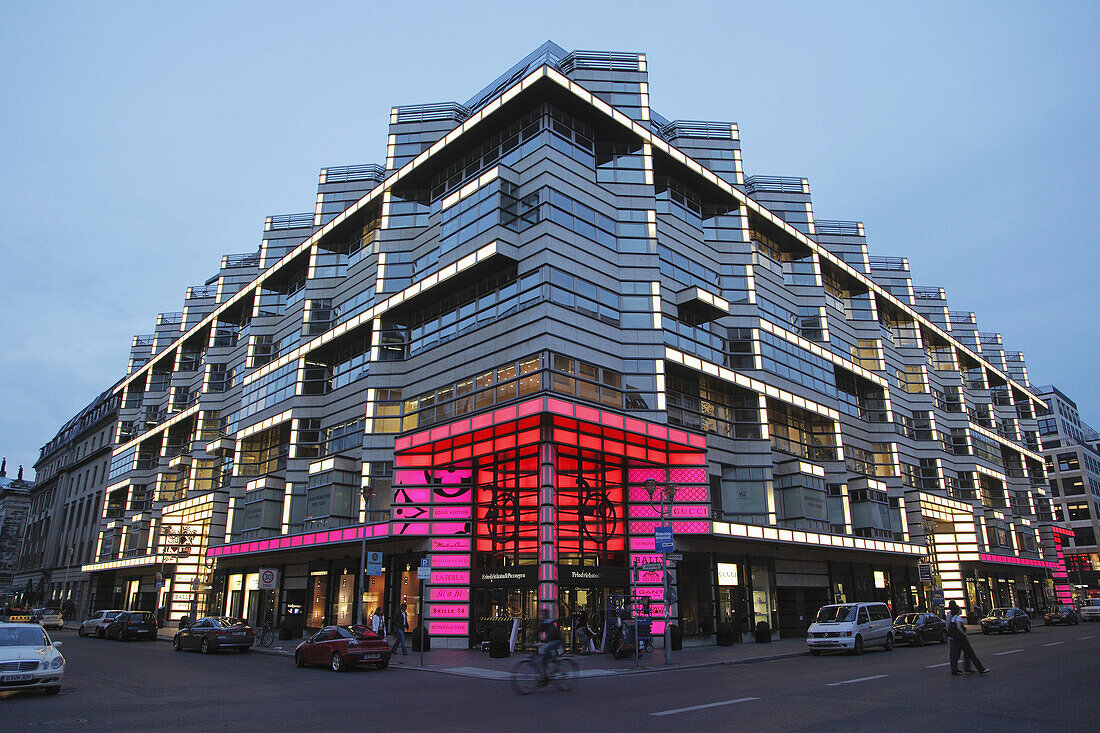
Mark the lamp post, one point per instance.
(665, 493)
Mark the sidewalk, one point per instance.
(472, 663)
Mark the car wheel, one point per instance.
(299, 659)
(338, 664)
(815, 652)
(100, 633)
(383, 665)
(918, 640)
(205, 647)
(53, 690)
(177, 644)
(984, 632)
(1013, 628)
(857, 648)
(80, 632)
(1027, 628)
(889, 645)
(1075, 621)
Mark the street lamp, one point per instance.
(665, 493)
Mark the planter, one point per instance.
(724, 635)
(499, 649)
(419, 637)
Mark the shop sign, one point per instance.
(662, 538)
(447, 544)
(727, 573)
(374, 563)
(590, 575)
(516, 575)
(924, 569)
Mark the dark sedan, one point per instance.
(1001, 620)
(919, 628)
(211, 634)
(342, 647)
(1060, 615)
(132, 625)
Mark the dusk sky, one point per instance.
(141, 141)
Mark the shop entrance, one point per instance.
(583, 616)
(501, 608)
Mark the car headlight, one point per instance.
(57, 662)
(44, 664)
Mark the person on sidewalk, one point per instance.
(960, 643)
(378, 622)
(400, 626)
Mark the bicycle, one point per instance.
(266, 635)
(527, 675)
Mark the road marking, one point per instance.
(1082, 638)
(933, 666)
(1054, 643)
(708, 705)
(858, 679)
(1010, 651)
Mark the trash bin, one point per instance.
(677, 637)
(763, 633)
(420, 636)
(286, 633)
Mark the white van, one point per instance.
(851, 627)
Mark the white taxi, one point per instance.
(29, 659)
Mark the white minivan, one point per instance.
(851, 627)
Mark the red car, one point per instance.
(1060, 615)
(342, 647)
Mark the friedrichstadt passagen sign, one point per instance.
(527, 575)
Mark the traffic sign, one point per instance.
(269, 579)
(674, 557)
(662, 538)
(424, 572)
(651, 566)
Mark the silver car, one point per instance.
(49, 618)
(96, 624)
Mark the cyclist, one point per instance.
(550, 643)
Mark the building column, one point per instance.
(548, 540)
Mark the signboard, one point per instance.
(662, 539)
(269, 579)
(582, 575)
(674, 557)
(937, 597)
(424, 572)
(651, 566)
(510, 576)
(727, 573)
(924, 570)
(374, 563)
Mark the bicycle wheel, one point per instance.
(565, 677)
(525, 677)
(266, 637)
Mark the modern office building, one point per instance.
(552, 321)
(1073, 464)
(15, 501)
(63, 522)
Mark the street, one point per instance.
(1043, 680)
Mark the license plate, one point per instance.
(16, 678)
(372, 656)
(237, 633)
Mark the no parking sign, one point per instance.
(269, 579)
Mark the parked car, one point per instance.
(851, 627)
(1090, 609)
(49, 618)
(1060, 615)
(96, 624)
(213, 633)
(919, 628)
(1006, 619)
(29, 659)
(342, 647)
(132, 625)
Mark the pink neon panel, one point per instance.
(451, 512)
(448, 611)
(295, 541)
(530, 407)
(448, 628)
(481, 421)
(448, 528)
(639, 475)
(637, 558)
(410, 528)
(650, 576)
(677, 436)
(642, 543)
(655, 592)
(587, 414)
(449, 594)
(658, 628)
(688, 476)
(448, 544)
(657, 431)
(697, 441)
(450, 561)
(453, 577)
(400, 444)
(634, 426)
(559, 406)
(611, 420)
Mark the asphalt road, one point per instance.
(1045, 680)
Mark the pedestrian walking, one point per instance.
(400, 626)
(378, 622)
(960, 643)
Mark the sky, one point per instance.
(141, 141)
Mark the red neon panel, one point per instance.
(560, 407)
(634, 426)
(697, 441)
(611, 420)
(658, 431)
(587, 441)
(528, 437)
(564, 437)
(484, 448)
(633, 451)
(531, 407)
(506, 442)
(614, 448)
(677, 436)
(419, 459)
(462, 454)
(400, 444)
(656, 456)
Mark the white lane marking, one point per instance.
(1010, 651)
(1082, 638)
(858, 679)
(933, 666)
(708, 705)
(1054, 643)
